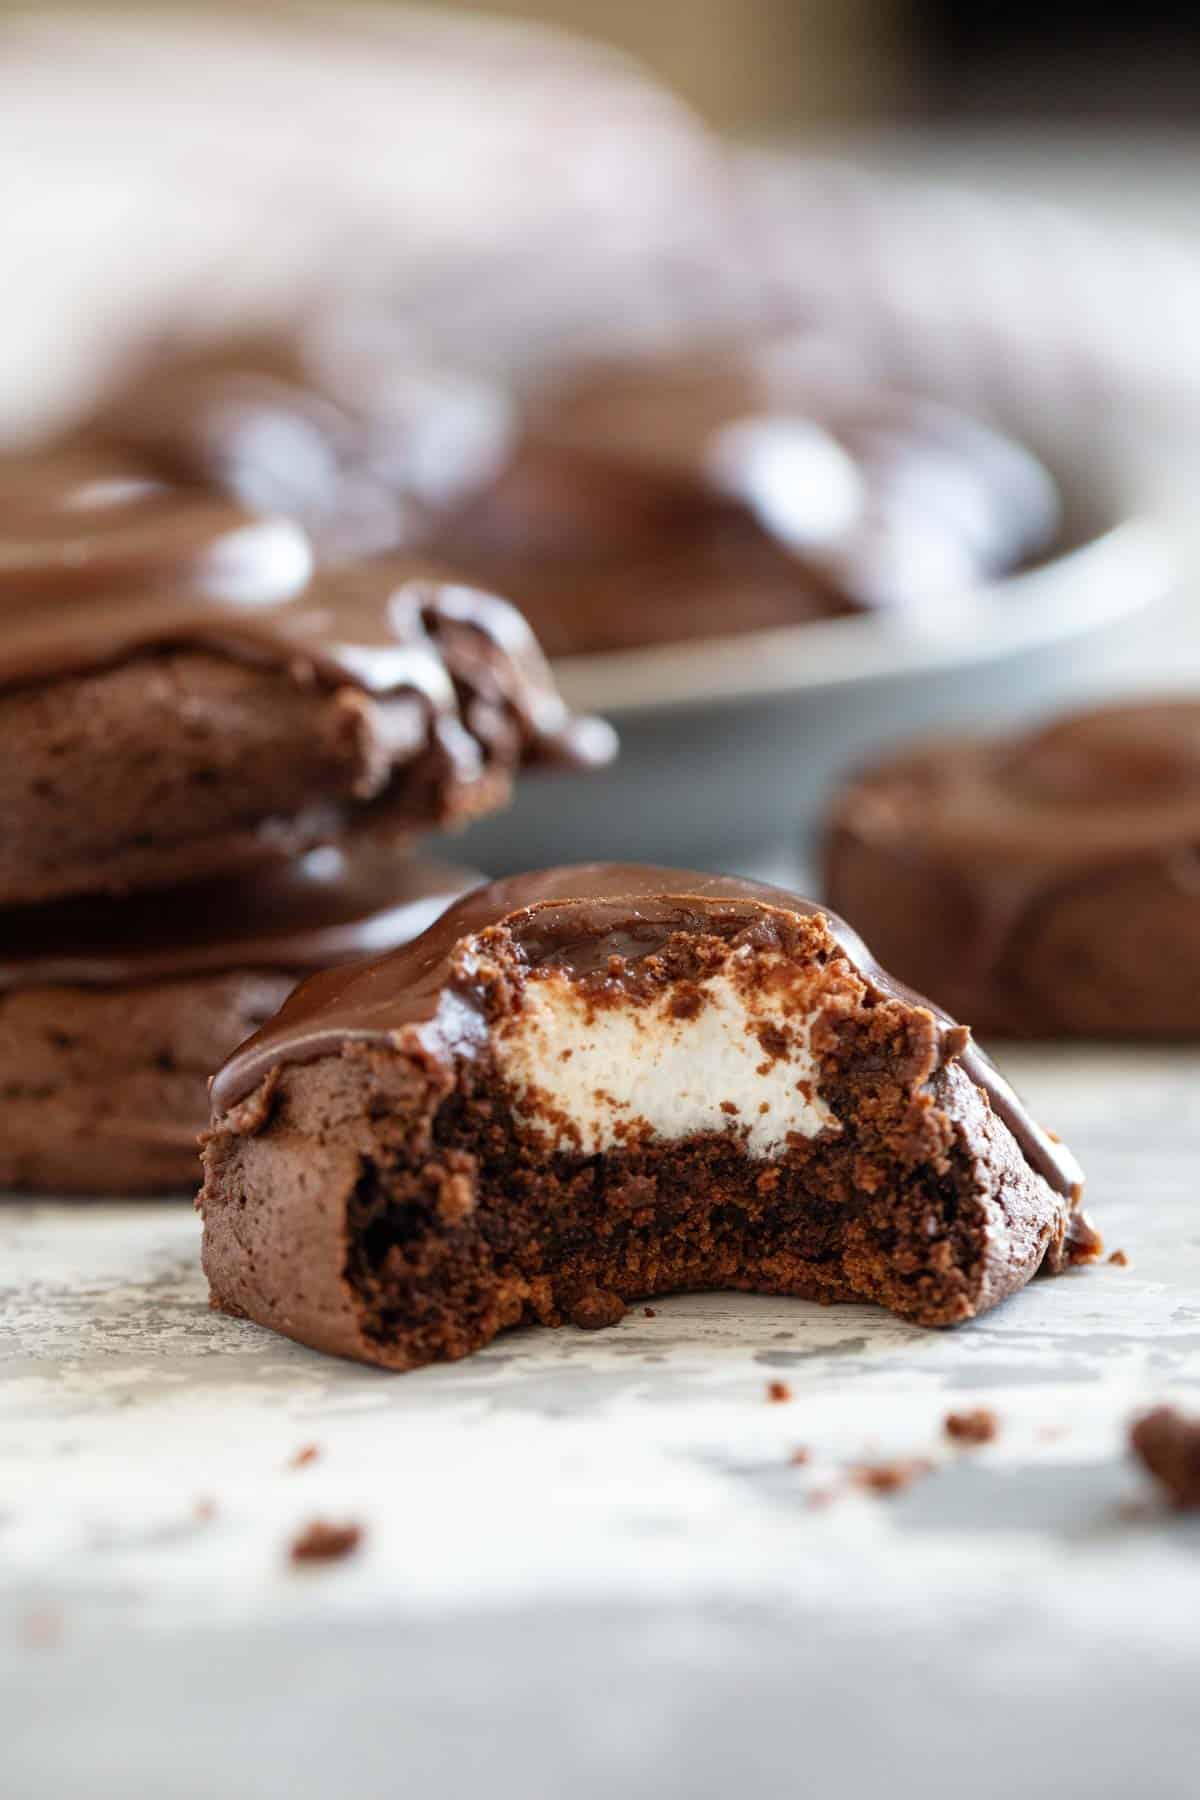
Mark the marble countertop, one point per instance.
(590, 1564)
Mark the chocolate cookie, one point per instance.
(666, 500)
(364, 460)
(591, 1085)
(113, 1014)
(1044, 885)
(188, 698)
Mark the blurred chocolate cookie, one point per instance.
(361, 451)
(1040, 886)
(183, 697)
(664, 500)
(113, 1014)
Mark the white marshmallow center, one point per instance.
(592, 1075)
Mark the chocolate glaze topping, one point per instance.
(1013, 820)
(359, 899)
(359, 463)
(82, 520)
(100, 562)
(676, 498)
(573, 916)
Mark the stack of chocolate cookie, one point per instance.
(221, 735)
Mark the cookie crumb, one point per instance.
(979, 1426)
(42, 1629)
(778, 1391)
(1168, 1444)
(800, 1456)
(820, 1498)
(596, 1310)
(649, 1312)
(307, 1453)
(1120, 1259)
(322, 1542)
(891, 1477)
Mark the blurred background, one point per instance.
(989, 207)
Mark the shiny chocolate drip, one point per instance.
(369, 1002)
(361, 899)
(99, 562)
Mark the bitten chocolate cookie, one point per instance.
(681, 498)
(113, 1014)
(596, 1084)
(187, 698)
(1042, 885)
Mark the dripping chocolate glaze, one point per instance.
(359, 899)
(100, 561)
(370, 1002)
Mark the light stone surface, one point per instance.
(590, 1564)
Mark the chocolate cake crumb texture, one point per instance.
(1168, 1444)
(597, 1310)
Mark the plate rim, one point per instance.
(1120, 571)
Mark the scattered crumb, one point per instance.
(1084, 1243)
(42, 1629)
(778, 1391)
(649, 1312)
(979, 1426)
(1136, 1512)
(205, 1509)
(323, 1542)
(820, 1497)
(891, 1477)
(1120, 1259)
(596, 1310)
(1168, 1443)
(307, 1453)
(800, 1456)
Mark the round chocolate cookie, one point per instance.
(183, 697)
(1041, 886)
(658, 501)
(591, 1085)
(362, 458)
(113, 1014)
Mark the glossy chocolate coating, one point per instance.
(360, 463)
(154, 567)
(369, 1002)
(682, 498)
(1010, 837)
(359, 899)
(80, 520)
